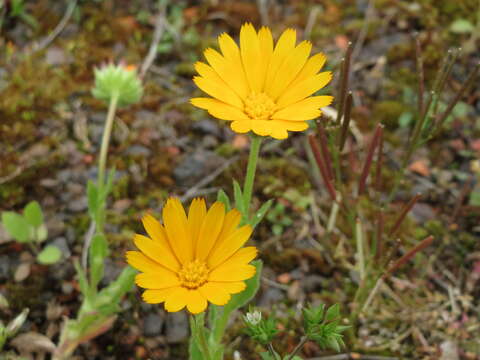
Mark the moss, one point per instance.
(387, 112)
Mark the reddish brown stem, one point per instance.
(404, 213)
(325, 151)
(321, 165)
(379, 165)
(379, 235)
(422, 245)
(368, 161)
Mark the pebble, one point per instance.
(177, 327)
(152, 324)
(62, 244)
(271, 296)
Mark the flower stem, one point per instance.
(198, 322)
(106, 140)
(251, 168)
(298, 347)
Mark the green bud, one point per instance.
(259, 329)
(117, 81)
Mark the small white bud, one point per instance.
(253, 318)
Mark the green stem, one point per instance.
(250, 177)
(106, 139)
(199, 321)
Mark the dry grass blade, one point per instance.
(379, 234)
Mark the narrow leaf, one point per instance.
(262, 212)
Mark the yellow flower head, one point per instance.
(260, 87)
(189, 261)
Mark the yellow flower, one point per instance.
(192, 260)
(260, 87)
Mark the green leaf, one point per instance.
(237, 193)
(223, 198)
(92, 196)
(17, 226)
(261, 212)
(83, 282)
(118, 288)
(41, 233)
(333, 312)
(49, 255)
(97, 255)
(33, 214)
(405, 119)
(475, 198)
(462, 26)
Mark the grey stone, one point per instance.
(271, 296)
(152, 324)
(196, 166)
(207, 127)
(62, 244)
(177, 327)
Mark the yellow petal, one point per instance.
(176, 225)
(251, 57)
(156, 296)
(305, 109)
(304, 88)
(140, 262)
(219, 109)
(215, 293)
(311, 68)
(230, 224)
(233, 287)
(226, 272)
(289, 125)
(261, 127)
(196, 215)
(160, 279)
(219, 91)
(211, 227)
(155, 230)
(279, 132)
(242, 256)
(289, 69)
(196, 302)
(229, 246)
(241, 126)
(230, 71)
(285, 45)
(266, 48)
(156, 251)
(176, 299)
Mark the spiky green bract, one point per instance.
(117, 81)
(260, 329)
(324, 327)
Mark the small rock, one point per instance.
(4, 267)
(56, 56)
(177, 327)
(78, 205)
(112, 270)
(152, 325)
(138, 150)
(312, 283)
(271, 296)
(196, 166)
(422, 212)
(62, 244)
(207, 127)
(22, 272)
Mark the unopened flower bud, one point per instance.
(253, 318)
(118, 81)
(16, 323)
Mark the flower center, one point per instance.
(259, 106)
(193, 274)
